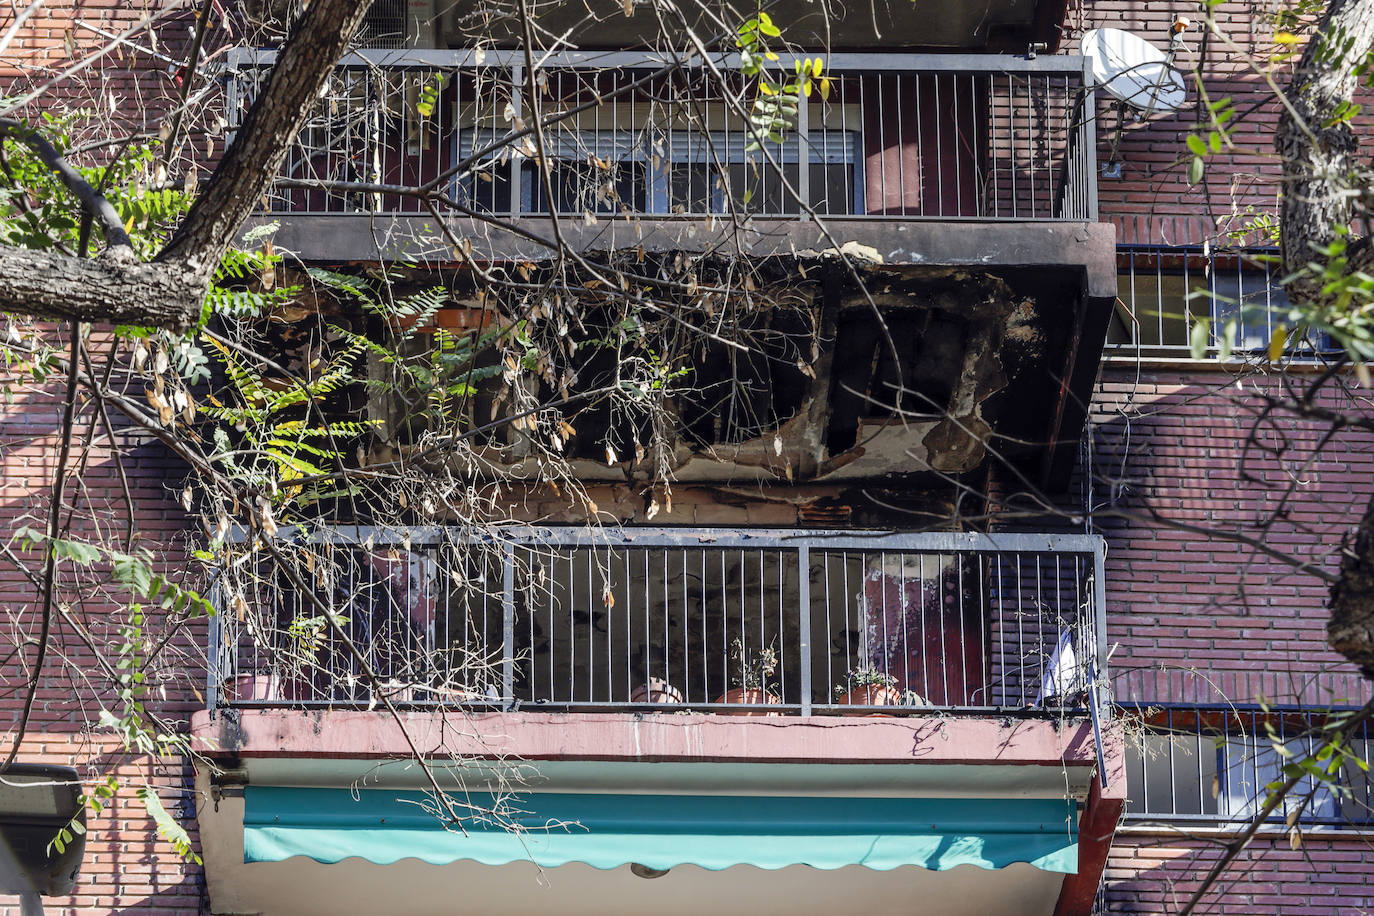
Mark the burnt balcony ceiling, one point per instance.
(905, 375)
(968, 25)
(916, 374)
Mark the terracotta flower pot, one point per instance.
(656, 690)
(271, 687)
(742, 695)
(871, 695)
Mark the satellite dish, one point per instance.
(1134, 71)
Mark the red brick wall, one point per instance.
(57, 63)
(127, 867)
(1152, 202)
(1193, 617)
(1327, 874)
(1197, 617)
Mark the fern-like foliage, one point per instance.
(277, 447)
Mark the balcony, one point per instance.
(900, 141)
(760, 622)
(963, 187)
(836, 716)
(1165, 291)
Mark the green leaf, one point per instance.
(1199, 338)
(1195, 169)
(76, 551)
(167, 827)
(1226, 338)
(1197, 145)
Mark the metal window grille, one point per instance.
(1212, 764)
(1162, 292)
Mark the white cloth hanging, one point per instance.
(1063, 675)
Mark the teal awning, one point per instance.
(664, 831)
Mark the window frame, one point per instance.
(640, 147)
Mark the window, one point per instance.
(675, 172)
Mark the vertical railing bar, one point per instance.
(958, 131)
(667, 623)
(508, 629)
(901, 137)
(804, 155)
(1099, 611)
(517, 76)
(705, 643)
(782, 625)
(994, 174)
(925, 639)
(939, 155)
(1011, 142)
(803, 556)
(1197, 751)
(1173, 779)
(1002, 623)
(1020, 634)
(983, 641)
(221, 664)
(1088, 138)
(1159, 296)
(882, 590)
(940, 604)
(686, 652)
(902, 609)
(963, 632)
(763, 615)
(883, 149)
(844, 577)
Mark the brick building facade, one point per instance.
(1176, 471)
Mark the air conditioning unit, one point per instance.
(398, 24)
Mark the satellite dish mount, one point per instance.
(1138, 75)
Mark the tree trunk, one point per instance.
(1321, 176)
(252, 161)
(1320, 169)
(1351, 627)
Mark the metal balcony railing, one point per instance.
(768, 621)
(895, 136)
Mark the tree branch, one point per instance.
(252, 161)
(169, 292)
(59, 485)
(94, 202)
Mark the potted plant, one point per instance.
(272, 686)
(656, 691)
(868, 686)
(749, 678)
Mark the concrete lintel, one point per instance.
(343, 237)
(633, 737)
